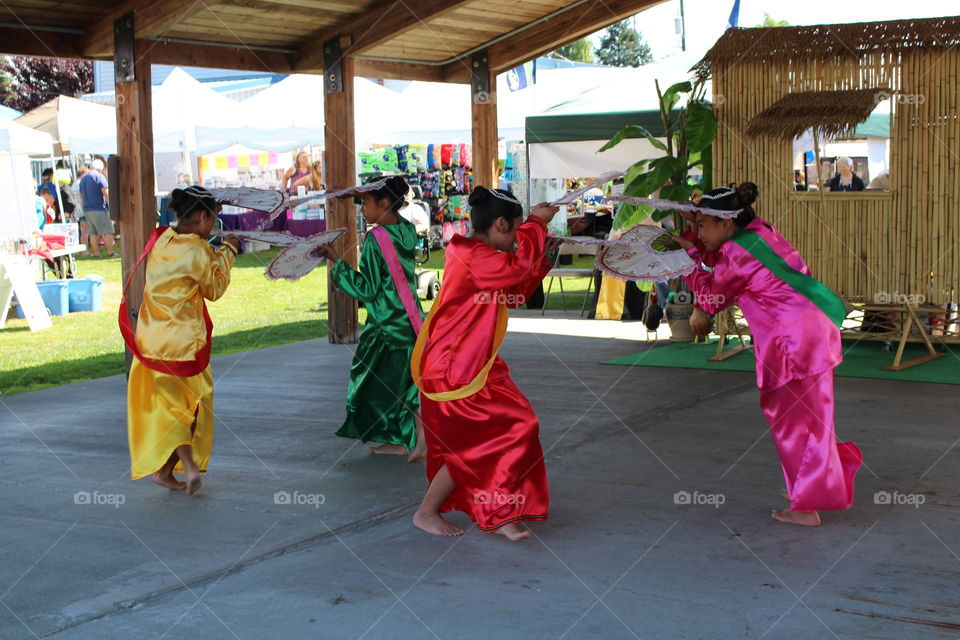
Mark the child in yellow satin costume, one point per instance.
(170, 387)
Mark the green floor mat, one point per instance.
(860, 360)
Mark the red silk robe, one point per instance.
(476, 420)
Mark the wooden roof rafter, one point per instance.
(152, 19)
(388, 20)
(386, 38)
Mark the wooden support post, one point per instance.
(484, 112)
(138, 203)
(341, 172)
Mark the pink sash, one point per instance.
(399, 277)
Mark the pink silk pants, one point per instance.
(818, 470)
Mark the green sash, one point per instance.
(810, 288)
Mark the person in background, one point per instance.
(313, 181)
(798, 183)
(62, 174)
(49, 206)
(47, 182)
(846, 179)
(301, 169)
(78, 210)
(41, 206)
(93, 191)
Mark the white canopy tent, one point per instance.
(18, 213)
(292, 109)
(180, 105)
(65, 117)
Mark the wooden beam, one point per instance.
(551, 34)
(138, 202)
(485, 136)
(153, 18)
(216, 57)
(26, 42)
(387, 20)
(399, 70)
(340, 150)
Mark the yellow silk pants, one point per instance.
(161, 413)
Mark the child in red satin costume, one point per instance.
(483, 447)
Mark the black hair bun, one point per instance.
(176, 197)
(478, 195)
(747, 193)
(398, 186)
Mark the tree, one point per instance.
(770, 22)
(621, 46)
(579, 51)
(34, 81)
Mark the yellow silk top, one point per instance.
(182, 269)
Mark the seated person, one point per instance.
(846, 179)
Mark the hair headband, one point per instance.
(504, 196)
(724, 192)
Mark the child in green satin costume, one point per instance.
(383, 404)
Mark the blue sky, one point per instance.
(706, 19)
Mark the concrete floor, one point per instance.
(618, 558)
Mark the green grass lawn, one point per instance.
(254, 313)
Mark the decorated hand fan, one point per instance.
(633, 257)
(570, 196)
(372, 186)
(669, 205)
(279, 238)
(297, 260)
(267, 200)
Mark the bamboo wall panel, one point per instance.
(867, 246)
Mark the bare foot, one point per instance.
(435, 524)
(807, 519)
(389, 450)
(784, 494)
(419, 452)
(513, 532)
(169, 481)
(193, 482)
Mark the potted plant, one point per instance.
(689, 131)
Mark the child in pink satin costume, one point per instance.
(794, 320)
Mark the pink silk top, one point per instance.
(793, 338)
(477, 279)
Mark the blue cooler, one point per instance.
(86, 294)
(55, 297)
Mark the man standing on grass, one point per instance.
(93, 192)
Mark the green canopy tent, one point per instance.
(562, 140)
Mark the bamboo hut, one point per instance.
(771, 85)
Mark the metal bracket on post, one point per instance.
(332, 66)
(480, 78)
(124, 57)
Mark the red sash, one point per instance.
(184, 369)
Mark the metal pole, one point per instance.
(683, 29)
